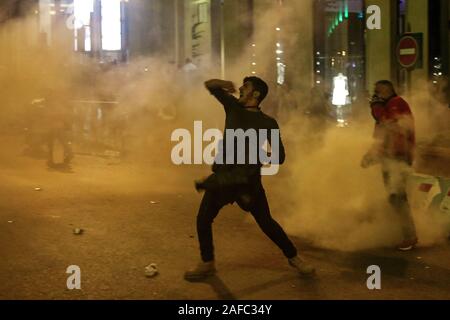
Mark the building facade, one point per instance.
(296, 45)
(347, 48)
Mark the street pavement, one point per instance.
(135, 213)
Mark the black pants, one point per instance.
(249, 198)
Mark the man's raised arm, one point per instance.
(215, 84)
(223, 91)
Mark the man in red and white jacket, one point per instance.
(393, 148)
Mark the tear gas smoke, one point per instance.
(324, 195)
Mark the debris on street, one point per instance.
(151, 270)
(78, 231)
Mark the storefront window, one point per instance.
(111, 25)
(82, 10)
(340, 53)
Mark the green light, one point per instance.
(346, 9)
(341, 18)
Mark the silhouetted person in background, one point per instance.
(189, 66)
(35, 131)
(58, 123)
(393, 148)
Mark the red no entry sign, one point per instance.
(408, 50)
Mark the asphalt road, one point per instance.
(137, 213)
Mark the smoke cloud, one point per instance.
(322, 195)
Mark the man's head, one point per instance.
(384, 89)
(253, 91)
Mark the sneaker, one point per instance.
(301, 266)
(407, 245)
(202, 271)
